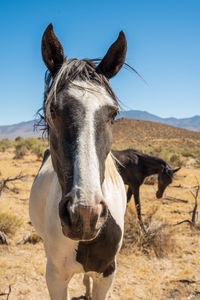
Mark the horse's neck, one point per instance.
(152, 165)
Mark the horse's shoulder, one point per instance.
(126, 156)
(132, 156)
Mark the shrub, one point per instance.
(20, 151)
(33, 145)
(159, 240)
(174, 158)
(150, 180)
(9, 223)
(5, 144)
(19, 139)
(197, 164)
(157, 149)
(34, 238)
(38, 150)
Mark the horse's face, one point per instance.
(80, 118)
(165, 177)
(80, 143)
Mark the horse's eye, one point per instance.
(112, 116)
(53, 112)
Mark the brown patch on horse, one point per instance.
(98, 255)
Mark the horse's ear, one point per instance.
(176, 170)
(114, 58)
(52, 50)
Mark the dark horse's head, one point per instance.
(165, 177)
(79, 109)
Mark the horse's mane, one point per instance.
(153, 159)
(111, 171)
(147, 157)
(72, 69)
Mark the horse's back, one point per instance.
(129, 164)
(39, 194)
(127, 157)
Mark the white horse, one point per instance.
(78, 199)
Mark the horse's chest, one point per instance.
(98, 255)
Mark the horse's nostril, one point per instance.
(103, 203)
(81, 221)
(104, 211)
(64, 209)
(67, 216)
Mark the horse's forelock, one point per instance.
(73, 69)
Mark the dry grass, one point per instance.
(160, 239)
(24, 146)
(179, 147)
(34, 238)
(144, 133)
(157, 266)
(31, 238)
(151, 180)
(9, 223)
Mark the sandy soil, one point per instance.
(142, 274)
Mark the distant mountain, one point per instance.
(128, 133)
(26, 129)
(192, 123)
(23, 129)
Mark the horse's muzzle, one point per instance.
(159, 194)
(81, 222)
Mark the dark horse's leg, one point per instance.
(138, 207)
(129, 194)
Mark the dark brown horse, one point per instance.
(134, 166)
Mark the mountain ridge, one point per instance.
(26, 129)
(191, 123)
(23, 129)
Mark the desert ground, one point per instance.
(163, 265)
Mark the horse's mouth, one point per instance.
(78, 233)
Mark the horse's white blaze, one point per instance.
(86, 166)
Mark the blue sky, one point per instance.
(163, 45)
